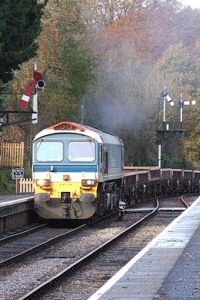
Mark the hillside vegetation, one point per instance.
(106, 63)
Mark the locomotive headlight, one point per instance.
(66, 177)
(43, 182)
(88, 182)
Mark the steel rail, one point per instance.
(43, 245)
(17, 235)
(48, 242)
(184, 202)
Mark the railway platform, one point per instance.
(12, 197)
(168, 268)
(16, 211)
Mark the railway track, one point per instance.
(81, 262)
(20, 245)
(174, 204)
(7, 237)
(178, 203)
(72, 254)
(16, 246)
(119, 252)
(105, 258)
(18, 279)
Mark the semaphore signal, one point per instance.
(182, 104)
(166, 128)
(35, 84)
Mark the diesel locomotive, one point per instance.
(79, 173)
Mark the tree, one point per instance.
(129, 37)
(70, 78)
(105, 12)
(19, 27)
(66, 60)
(192, 145)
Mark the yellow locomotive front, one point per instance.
(65, 172)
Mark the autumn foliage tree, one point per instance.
(72, 73)
(66, 61)
(114, 57)
(130, 46)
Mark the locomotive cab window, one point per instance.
(49, 151)
(81, 151)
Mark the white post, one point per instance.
(159, 156)
(164, 111)
(35, 104)
(83, 110)
(82, 113)
(181, 111)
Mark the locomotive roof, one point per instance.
(71, 127)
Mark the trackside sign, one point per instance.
(18, 173)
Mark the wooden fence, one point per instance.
(24, 186)
(12, 155)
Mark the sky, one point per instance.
(192, 3)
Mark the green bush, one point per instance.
(7, 184)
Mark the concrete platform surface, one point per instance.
(14, 198)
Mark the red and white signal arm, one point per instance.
(36, 83)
